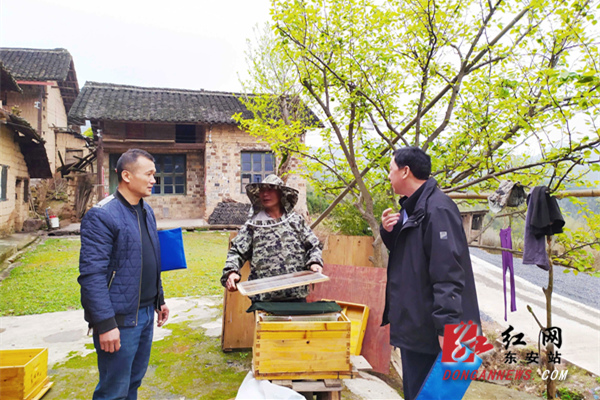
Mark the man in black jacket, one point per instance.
(430, 279)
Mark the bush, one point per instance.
(316, 203)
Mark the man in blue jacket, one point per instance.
(430, 280)
(119, 267)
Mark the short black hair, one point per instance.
(416, 159)
(130, 157)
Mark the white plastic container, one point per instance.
(54, 221)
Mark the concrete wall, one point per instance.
(14, 210)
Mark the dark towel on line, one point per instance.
(543, 219)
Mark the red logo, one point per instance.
(461, 343)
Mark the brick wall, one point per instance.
(189, 206)
(223, 170)
(208, 181)
(14, 210)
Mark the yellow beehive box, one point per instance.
(301, 348)
(358, 314)
(23, 374)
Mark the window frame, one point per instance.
(159, 176)
(253, 172)
(3, 182)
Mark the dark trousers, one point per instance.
(121, 372)
(415, 367)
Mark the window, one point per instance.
(255, 167)
(170, 174)
(3, 182)
(26, 191)
(185, 133)
(189, 134)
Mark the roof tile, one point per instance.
(37, 64)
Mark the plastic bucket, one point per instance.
(54, 221)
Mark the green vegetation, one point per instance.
(46, 278)
(186, 364)
(567, 394)
(205, 253)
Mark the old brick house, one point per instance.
(49, 86)
(202, 156)
(22, 157)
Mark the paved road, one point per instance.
(579, 322)
(582, 288)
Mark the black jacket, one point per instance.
(430, 280)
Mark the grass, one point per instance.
(187, 364)
(45, 279)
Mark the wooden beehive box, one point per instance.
(358, 314)
(23, 374)
(301, 349)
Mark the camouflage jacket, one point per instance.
(274, 247)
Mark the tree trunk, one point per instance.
(550, 383)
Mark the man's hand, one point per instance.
(232, 279)
(389, 219)
(163, 315)
(110, 341)
(441, 340)
(316, 268)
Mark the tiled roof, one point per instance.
(37, 64)
(43, 65)
(106, 101)
(31, 145)
(7, 81)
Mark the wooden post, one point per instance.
(100, 169)
(550, 383)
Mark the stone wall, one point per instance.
(14, 210)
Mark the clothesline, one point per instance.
(561, 194)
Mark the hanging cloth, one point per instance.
(543, 219)
(507, 264)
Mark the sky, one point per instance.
(188, 44)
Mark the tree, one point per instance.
(273, 96)
(503, 90)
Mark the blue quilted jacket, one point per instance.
(110, 263)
